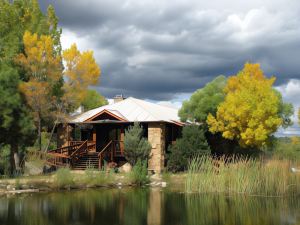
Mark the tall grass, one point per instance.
(242, 175)
(94, 177)
(63, 178)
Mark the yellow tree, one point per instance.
(43, 70)
(250, 111)
(81, 71)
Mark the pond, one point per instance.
(145, 206)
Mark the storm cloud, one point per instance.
(162, 49)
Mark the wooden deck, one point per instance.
(77, 152)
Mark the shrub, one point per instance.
(63, 178)
(192, 143)
(287, 148)
(4, 159)
(135, 146)
(139, 173)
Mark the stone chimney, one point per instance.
(119, 98)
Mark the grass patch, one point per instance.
(242, 175)
(63, 178)
(93, 177)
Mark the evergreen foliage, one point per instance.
(16, 125)
(135, 146)
(192, 143)
(139, 173)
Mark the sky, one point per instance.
(163, 50)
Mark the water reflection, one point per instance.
(145, 206)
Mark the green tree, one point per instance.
(204, 101)
(16, 125)
(93, 100)
(285, 111)
(192, 143)
(15, 17)
(136, 148)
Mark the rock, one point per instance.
(22, 191)
(10, 188)
(32, 168)
(155, 184)
(126, 168)
(119, 184)
(25, 186)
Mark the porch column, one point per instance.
(94, 138)
(94, 135)
(122, 139)
(156, 137)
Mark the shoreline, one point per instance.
(48, 183)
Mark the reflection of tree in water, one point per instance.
(234, 210)
(144, 206)
(112, 206)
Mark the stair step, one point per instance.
(91, 160)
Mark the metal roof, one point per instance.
(132, 109)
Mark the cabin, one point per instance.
(96, 137)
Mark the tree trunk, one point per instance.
(14, 158)
(39, 133)
(52, 131)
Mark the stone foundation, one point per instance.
(156, 137)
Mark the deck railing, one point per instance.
(51, 159)
(57, 160)
(104, 152)
(67, 150)
(111, 149)
(69, 155)
(80, 151)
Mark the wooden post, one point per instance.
(122, 140)
(94, 134)
(112, 152)
(100, 162)
(95, 138)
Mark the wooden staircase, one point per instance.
(89, 160)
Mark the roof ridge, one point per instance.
(134, 99)
(118, 112)
(165, 106)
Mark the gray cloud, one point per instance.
(160, 49)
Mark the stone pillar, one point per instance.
(156, 137)
(64, 132)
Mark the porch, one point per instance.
(81, 155)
